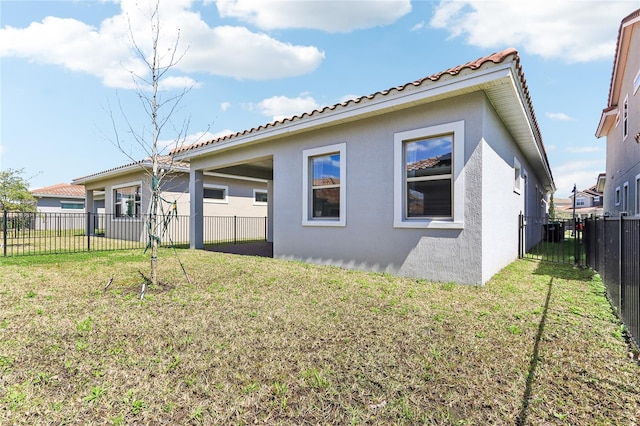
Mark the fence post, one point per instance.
(620, 269)
(576, 239)
(4, 232)
(88, 231)
(520, 227)
(235, 229)
(265, 227)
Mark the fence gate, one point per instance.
(559, 240)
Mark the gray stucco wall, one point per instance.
(369, 241)
(501, 202)
(623, 156)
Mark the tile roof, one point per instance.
(495, 58)
(60, 190)
(164, 160)
(623, 24)
(428, 163)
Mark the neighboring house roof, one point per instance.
(61, 190)
(619, 64)
(499, 75)
(602, 178)
(430, 163)
(163, 160)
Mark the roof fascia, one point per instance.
(118, 171)
(606, 121)
(621, 52)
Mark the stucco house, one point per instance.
(588, 202)
(59, 198)
(425, 179)
(620, 123)
(126, 193)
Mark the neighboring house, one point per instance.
(126, 191)
(588, 202)
(426, 179)
(60, 198)
(620, 123)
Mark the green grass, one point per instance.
(255, 340)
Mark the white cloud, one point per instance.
(330, 16)
(225, 106)
(169, 83)
(107, 53)
(583, 174)
(170, 144)
(583, 149)
(279, 107)
(418, 26)
(561, 116)
(573, 31)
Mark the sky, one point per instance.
(71, 81)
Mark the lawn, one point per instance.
(256, 340)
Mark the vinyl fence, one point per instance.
(613, 250)
(49, 233)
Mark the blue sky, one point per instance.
(65, 69)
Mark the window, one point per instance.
(215, 194)
(580, 202)
(625, 196)
(625, 118)
(636, 83)
(324, 186)
(260, 197)
(617, 196)
(517, 182)
(428, 177)
(127, 201)
(71, 205)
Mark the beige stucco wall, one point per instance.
(239, 202)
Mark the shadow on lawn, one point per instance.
(533, 364)
(563, 271)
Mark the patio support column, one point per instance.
(196, 209)
(270, 200)
(88, 208)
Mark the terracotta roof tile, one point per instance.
(495, 58)
(61, 189)
(164, 160)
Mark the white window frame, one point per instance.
(636, 83)
(113, 201)
(625, 197)
(637, 190)
(625, 118)
(307, 181)
(261, 191)
(580, 201)
(63, 202)
(225, 188)
(517, 182)
(617, 196)
(399, 177)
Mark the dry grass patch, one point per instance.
(257, 340)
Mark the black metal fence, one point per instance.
(613, 250)
(49, 233)
(558, 240)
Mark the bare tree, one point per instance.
(160, 107)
